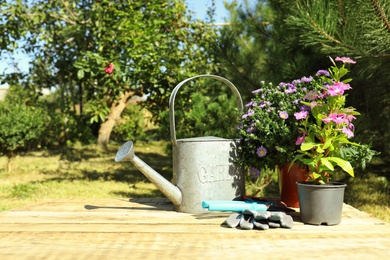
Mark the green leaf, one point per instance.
(327, 164)
(307, 146)
(320, 150)
(345, 165)
(80, 74)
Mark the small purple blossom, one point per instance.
(283, 115)
(345, 60)
(290, 90)
(249, 113)
(261, 151)
(251, 104)
(257, 91)
(306, 79)
(323, 73)
(251, 128)
(305, 108)
(254, 173)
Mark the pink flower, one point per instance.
(350, 118)
(347, 131)
(301, 115)
(313, 104)
(345, 60)
(300, 139)
(311, 95)
(336, 118)
(109, 69)
(340, 118)
(338, 89)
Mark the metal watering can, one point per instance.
(203, 167)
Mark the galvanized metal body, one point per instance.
(204, 167)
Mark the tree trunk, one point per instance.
(9, 155)
(114, 115)
(9, 165)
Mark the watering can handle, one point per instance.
(176, 89)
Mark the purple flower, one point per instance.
(301, 115)
(251, 104)
(261, 151)
(290, 90)
(283, 115)
(262, 104)
(323, 73)
(251, 128)
(306, 80)
(305, 108)
(254, 173)
(257, 91)
(345, 60)
(249, 113)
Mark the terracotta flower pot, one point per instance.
(287, 183)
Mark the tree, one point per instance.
(100, 54)
(281, 40)
(361, 31)
(21, 125)
(258, 47)
(242, 47)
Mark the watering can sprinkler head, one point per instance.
(125, 153)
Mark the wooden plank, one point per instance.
(149, 229)
(196, 246)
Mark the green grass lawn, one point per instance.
(86, 172)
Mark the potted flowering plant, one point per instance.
(326, 127)
(268, 130)
(304, 121)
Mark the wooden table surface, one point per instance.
(150, 229)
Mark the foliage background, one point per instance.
(276, 40)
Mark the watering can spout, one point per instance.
(126, 153)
